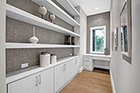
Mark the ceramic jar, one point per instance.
(44, 59)
(53, 58)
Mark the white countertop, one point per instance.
(13, 76)
(98, 55)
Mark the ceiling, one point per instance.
(91, 7)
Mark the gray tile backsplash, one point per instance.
(16, 57)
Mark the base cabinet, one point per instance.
(39, 83)
(51, 80)
(46, 81)
(75, 67)
(62, 75)
(26, 85)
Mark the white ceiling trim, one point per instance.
(92, 7)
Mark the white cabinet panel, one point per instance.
(75, 66)
(39, 83)
(59, 76)
(26, 85)
(67, 72)
(46, 81)
(62, 75)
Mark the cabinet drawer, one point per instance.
(88, 66)
(87, 58)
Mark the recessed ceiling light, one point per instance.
(96, 8)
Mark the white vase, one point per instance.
(52, 17)
(34, 39)
(42, 10)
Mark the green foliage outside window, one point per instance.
(99, 43)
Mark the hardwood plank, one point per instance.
(90, 82)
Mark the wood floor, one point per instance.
(90, 82)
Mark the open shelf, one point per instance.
(30, 45)
(26, 17)
(52, 7)
(69, 7)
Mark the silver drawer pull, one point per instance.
(40, 79)
(36, 81)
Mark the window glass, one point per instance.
(98, 39)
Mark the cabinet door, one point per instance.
(46, 81)
(75, 67)
(68, 67)
(26, 85)
(59, 76)
(72, 68)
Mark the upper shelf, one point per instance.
(26, 17)
(69, 7)
(52, 7)
(30, 45)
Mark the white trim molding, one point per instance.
(112, 82)
(81, 69)
(91, 40)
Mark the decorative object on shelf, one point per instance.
(106, 52)
(116, 38)
(33, 39)
(72, 40)
(68, 40)
(44, 59)
(52, 17)
(71, 54)
(43, 11)
(53, 58)
(126, 31)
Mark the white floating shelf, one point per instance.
(26, 17)
(52, 7)
(29, 45)
(69, 7)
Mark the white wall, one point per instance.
(2, 46)
(83, 34)
(125, 75)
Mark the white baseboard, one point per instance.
(81, 69)
(112, 82)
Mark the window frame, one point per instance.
(91, 39)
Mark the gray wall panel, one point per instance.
(99, 20)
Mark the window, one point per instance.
(97, 39)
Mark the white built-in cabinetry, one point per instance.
(53, 78)
(98, 61)
(62, 75)
(41, 80)
(38, 83)
(46, 81)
